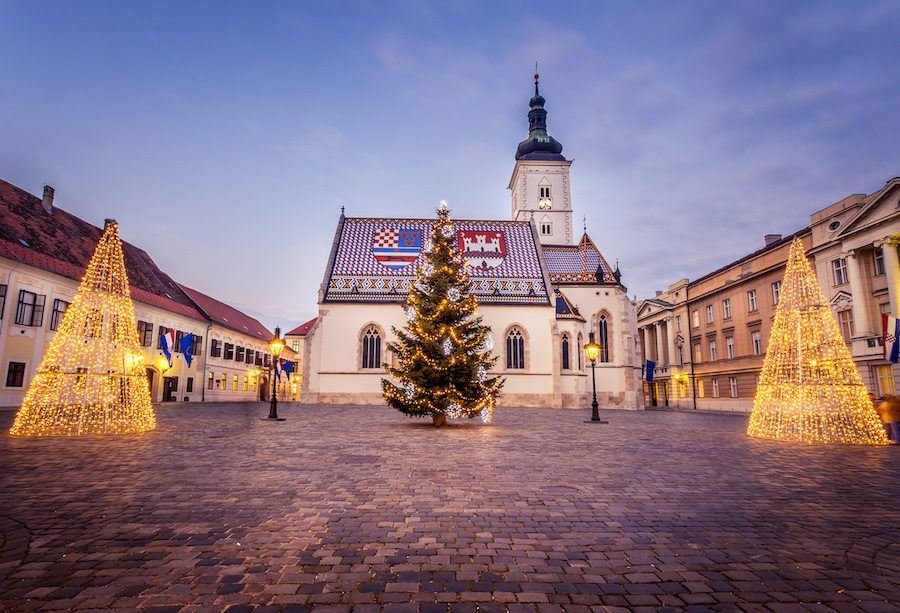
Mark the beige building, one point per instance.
(540, 293)
(43, 253)
(295, 340)
(729, 312)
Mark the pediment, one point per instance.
(883, 205)
(841, 301)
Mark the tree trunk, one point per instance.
(438, 419)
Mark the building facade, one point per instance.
(541, 293)
(729, 312)
(43, 253)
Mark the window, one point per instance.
(751, 300)
(565, 352)
(295, 345)
(209, 381)
(885, 377)
(145, 333)
(709, 314)
(726, 308)
(729, 346)
(224, 382)
(197, 345)
(698, 357)
(251, 356)
(245, 384)
(678, 323)
(239, 354)
(845, 320)
(190, 385)
(59, 309)
(680, 352)
(2, 300)
(229, 351)
(712, 351)
(776, 292)
(266, 359)
(234, 382)
(839, 267)
(715, 386)
(216, 349)
(371, 348)
(579, 349)
(878, 260)
(545, 191)
(603, 339)
(732, 381)
(700, 391)
(695, 319)
(15, 374)
(515, 349)
(756, 339)
(30, 310)
(162, 332)
(546, 229)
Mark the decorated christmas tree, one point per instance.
(809, 389)
(92, 378)
(444, 351)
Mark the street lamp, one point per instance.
(592, 350)
(275, 346)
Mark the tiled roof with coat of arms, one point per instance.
(374, 260)
(578, 264)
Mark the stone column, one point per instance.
(670, 337)
(892, 271)
(858, 290)
(659, 343)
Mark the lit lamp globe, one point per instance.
(275, 346)
(593, 352)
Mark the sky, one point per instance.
(226, 136)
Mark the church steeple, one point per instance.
(539, 145)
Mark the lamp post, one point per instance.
(592, 349)
(275, 346)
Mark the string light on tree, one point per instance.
(810, 389)
(444, 351)
(92, 380)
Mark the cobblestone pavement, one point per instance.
(363, 508)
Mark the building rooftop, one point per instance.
(302, 329)
(373, 260)
(228, 316)
(578, 264)
(63, 244)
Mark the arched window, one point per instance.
(565, 352)
(580, 349)
(515, 349)
(603, 338)
(371, 348)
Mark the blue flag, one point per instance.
(286, 367)
(650, 366)
(187, 343)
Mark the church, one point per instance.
(541, 291)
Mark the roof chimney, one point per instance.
(772, 238)
(47, 202)
(658, 293)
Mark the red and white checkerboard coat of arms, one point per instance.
(397, 247)
(482, 248)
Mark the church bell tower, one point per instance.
(540, 179)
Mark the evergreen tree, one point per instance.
(810, 389)
(444, 351)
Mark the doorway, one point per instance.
(170, 389)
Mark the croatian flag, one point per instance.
(890, 336)
(167, 344)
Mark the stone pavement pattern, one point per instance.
(362, 508)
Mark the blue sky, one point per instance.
(226, 136)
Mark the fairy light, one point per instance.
(810, 389)
(444, 351)
(92, 380)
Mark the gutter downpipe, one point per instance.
(205, 361)
(687, 304)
